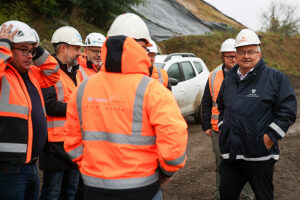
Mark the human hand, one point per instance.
(163, 180)
(208, 132)
(5, 32)
(267, 141)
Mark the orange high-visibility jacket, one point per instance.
(64, 88)
(122, 126)
(215, 81)
(15, 103)
(161, 75)
(84, 72)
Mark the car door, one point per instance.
(189, 85)
(201, 81)
(178, 90)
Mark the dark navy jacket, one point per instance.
(263, 102)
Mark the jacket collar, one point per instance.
(258, 67)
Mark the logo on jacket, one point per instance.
(253, 93)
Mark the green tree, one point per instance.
(281, 18)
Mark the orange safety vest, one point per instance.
(64, 88)
(122, 131)
(160, 75)
(215, 81)
(84, 72)
(15, 103)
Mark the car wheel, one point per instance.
(198, 115)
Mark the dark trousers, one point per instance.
(235, 174)
(59, 185)
(19, 182)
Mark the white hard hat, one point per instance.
(36, 36)
(94, 40)
(228, 46)
(152, 49)
(24, 34)
(130, 25)
(246, 37)
(67, 34)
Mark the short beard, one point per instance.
(72, 62)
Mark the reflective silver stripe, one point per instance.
(42, 59)
(4, 56)
(13, 147)
(5, 44)
(161, 80)
(56, 123)
(215, 104)
(242, 157)
(177, 161)
(75, 153)
(220, 123)
(119, 138)
(48, 72)
(215, 117)
(60, 91)
(212, 80)
(225, 156)
(79, 102)
(84, 75)
(168, 173)
(126, 183)
(138, 106)
(4, 100)
(277, 129)
(44, 109)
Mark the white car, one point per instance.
(191, 74)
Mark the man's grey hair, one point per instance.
(57, 47)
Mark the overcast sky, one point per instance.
(248, 12)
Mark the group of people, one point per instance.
(247, 108)
(105, 125)
(102, 124)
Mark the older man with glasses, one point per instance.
(90, 61)
(257, 106)
(210, 111)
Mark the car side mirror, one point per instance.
(173, 81)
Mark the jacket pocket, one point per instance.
(254, 146)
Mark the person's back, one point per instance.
(129, 126)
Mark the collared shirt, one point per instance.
(239, 73)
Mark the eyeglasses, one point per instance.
(26, 52)
(250, 53)
(96, 52)
(230, 57)
(146, 49)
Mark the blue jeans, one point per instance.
(60, 185)
(158, 195)
(19, 182)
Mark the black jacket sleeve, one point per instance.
(206, 108)
(53, 107)
(221, 106)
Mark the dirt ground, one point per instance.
(197, 179)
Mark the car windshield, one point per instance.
(159, 65)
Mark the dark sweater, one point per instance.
(39, 122)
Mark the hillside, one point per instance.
(280, 52)
(207, 12)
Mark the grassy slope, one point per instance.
(207, 12)
(278, 51)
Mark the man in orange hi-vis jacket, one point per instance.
(90, 61)
(124, 129)
(23, 131)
